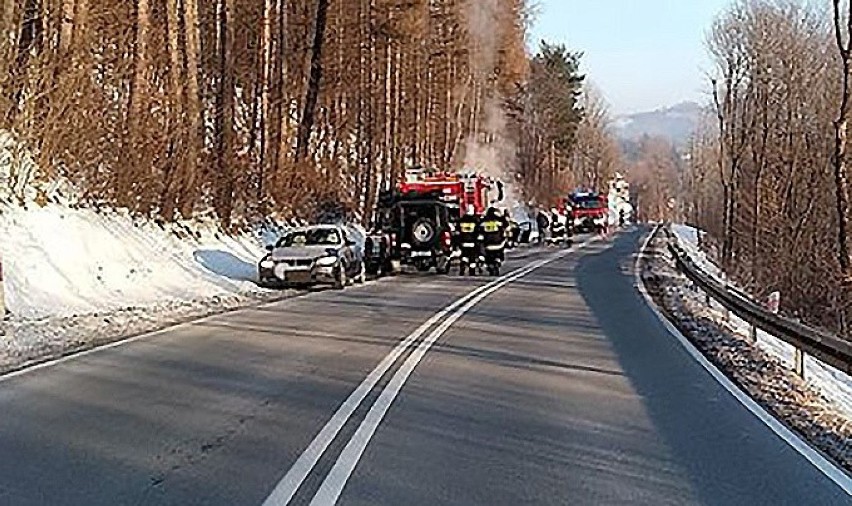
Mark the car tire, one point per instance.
(424, 231)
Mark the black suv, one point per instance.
(413, 229)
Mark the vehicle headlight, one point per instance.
(327, 261)
(267, 264)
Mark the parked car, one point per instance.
(320, 254)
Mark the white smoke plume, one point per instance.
(492, 150)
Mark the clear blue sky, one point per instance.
(643, 54)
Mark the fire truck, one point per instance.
(415, 222)
(589, 211)
(459, 191)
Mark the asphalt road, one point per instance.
(558, 387)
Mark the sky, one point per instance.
(642, 54)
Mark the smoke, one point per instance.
(483, 24)
(491, 150)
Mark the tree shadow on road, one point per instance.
(726, 451)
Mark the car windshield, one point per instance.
(311, 237)
(587, 203)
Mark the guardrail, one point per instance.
(825, 347)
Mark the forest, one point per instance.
(175, 109)
(767, 173)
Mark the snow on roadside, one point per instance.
(25, 342)
(832, 383)
(76, 278)
(823, 420)
(687, 238)
(61, 262)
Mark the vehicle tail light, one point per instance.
(447, 238)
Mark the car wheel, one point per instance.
(424, 231)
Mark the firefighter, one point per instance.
(543, 224)
(511, 228)
(569, 223)
(469, 243)
(558, 227)
(493, 229)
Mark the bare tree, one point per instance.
(841, 127)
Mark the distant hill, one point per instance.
(675, 123)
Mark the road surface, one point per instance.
(555, 387)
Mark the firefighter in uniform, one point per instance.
(469, 243)
(558, 227)
(493, 228)
(513, 230)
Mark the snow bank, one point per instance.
(687, 238)
(832, 383)
(806, 406)
(59, 261)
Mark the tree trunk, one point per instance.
(139, 89)
(841, 127)
(174, 164)
(194, 115)
(224, 122)
(29, 39)
(312, 94)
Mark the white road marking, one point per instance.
(333, 485)
(290, 483)
(825, 466)
(287, 487)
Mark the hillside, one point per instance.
(676, 123)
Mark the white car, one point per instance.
(320, 254)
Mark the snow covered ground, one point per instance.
(804, 406)
(688, 240)
(832, 383)
(76, 278)
(61, 262)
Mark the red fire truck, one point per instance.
(415, 222)
(589, 211)
(457, 190)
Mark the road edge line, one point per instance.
(819, 461)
